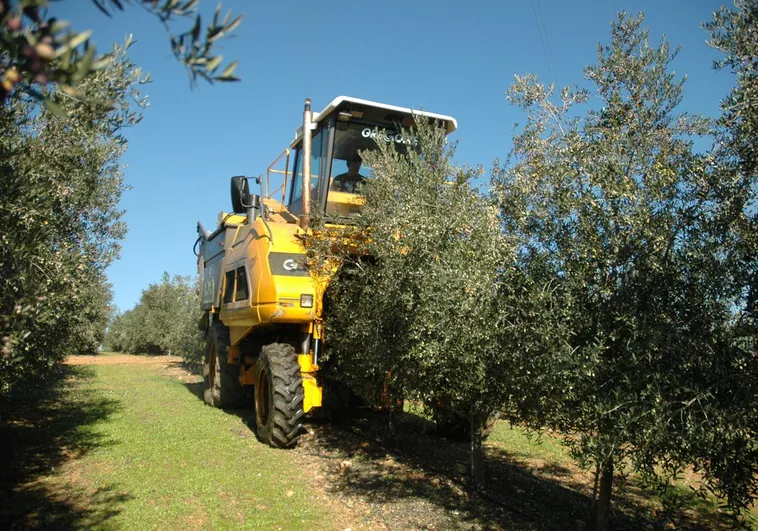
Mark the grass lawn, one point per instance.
(526, 466)
(124, 442)
(548, 458)
(143, 453)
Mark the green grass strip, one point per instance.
(156, 457)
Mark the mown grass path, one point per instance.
(145, 454)
(125, 442)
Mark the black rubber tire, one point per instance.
(278, 396)
(221, 386)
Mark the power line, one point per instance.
(547, 40)
(542, 42)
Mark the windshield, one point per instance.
(348, 168)
(349, 171)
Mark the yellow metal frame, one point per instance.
(270, 170)
(313, 394)
(272, 297)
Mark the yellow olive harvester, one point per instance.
(262, 305)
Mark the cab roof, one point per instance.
(375, 112)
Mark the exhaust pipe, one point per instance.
(202, 232)
(305, 218)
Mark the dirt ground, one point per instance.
(125, 359)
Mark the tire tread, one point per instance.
(283, 427)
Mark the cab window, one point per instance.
(297, 184)
(229, 287)
(241, 292)
(348, 168)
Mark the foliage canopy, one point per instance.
(597, 290)
(36, 49)
(59, 219)
(164, 321)
(615, 209)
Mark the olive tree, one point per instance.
(60, 224)
(37, 49)
(735, 33)
(617, 214)
(416, 308)
(164, 321)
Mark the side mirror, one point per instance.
(240, 194)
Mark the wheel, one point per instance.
(278, 396)
(221, 379)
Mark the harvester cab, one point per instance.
(262, 305)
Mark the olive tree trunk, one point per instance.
(604, 499)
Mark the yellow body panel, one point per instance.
(312, 391)
(343, 203)
(273, 298)
(247, 376)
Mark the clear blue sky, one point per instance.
(450, 57)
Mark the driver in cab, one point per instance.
(348, 182)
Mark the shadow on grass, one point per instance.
(416, 468)
(435, 472)
(413, 479)
(44, 431)
(196, 388)
(245, 414)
